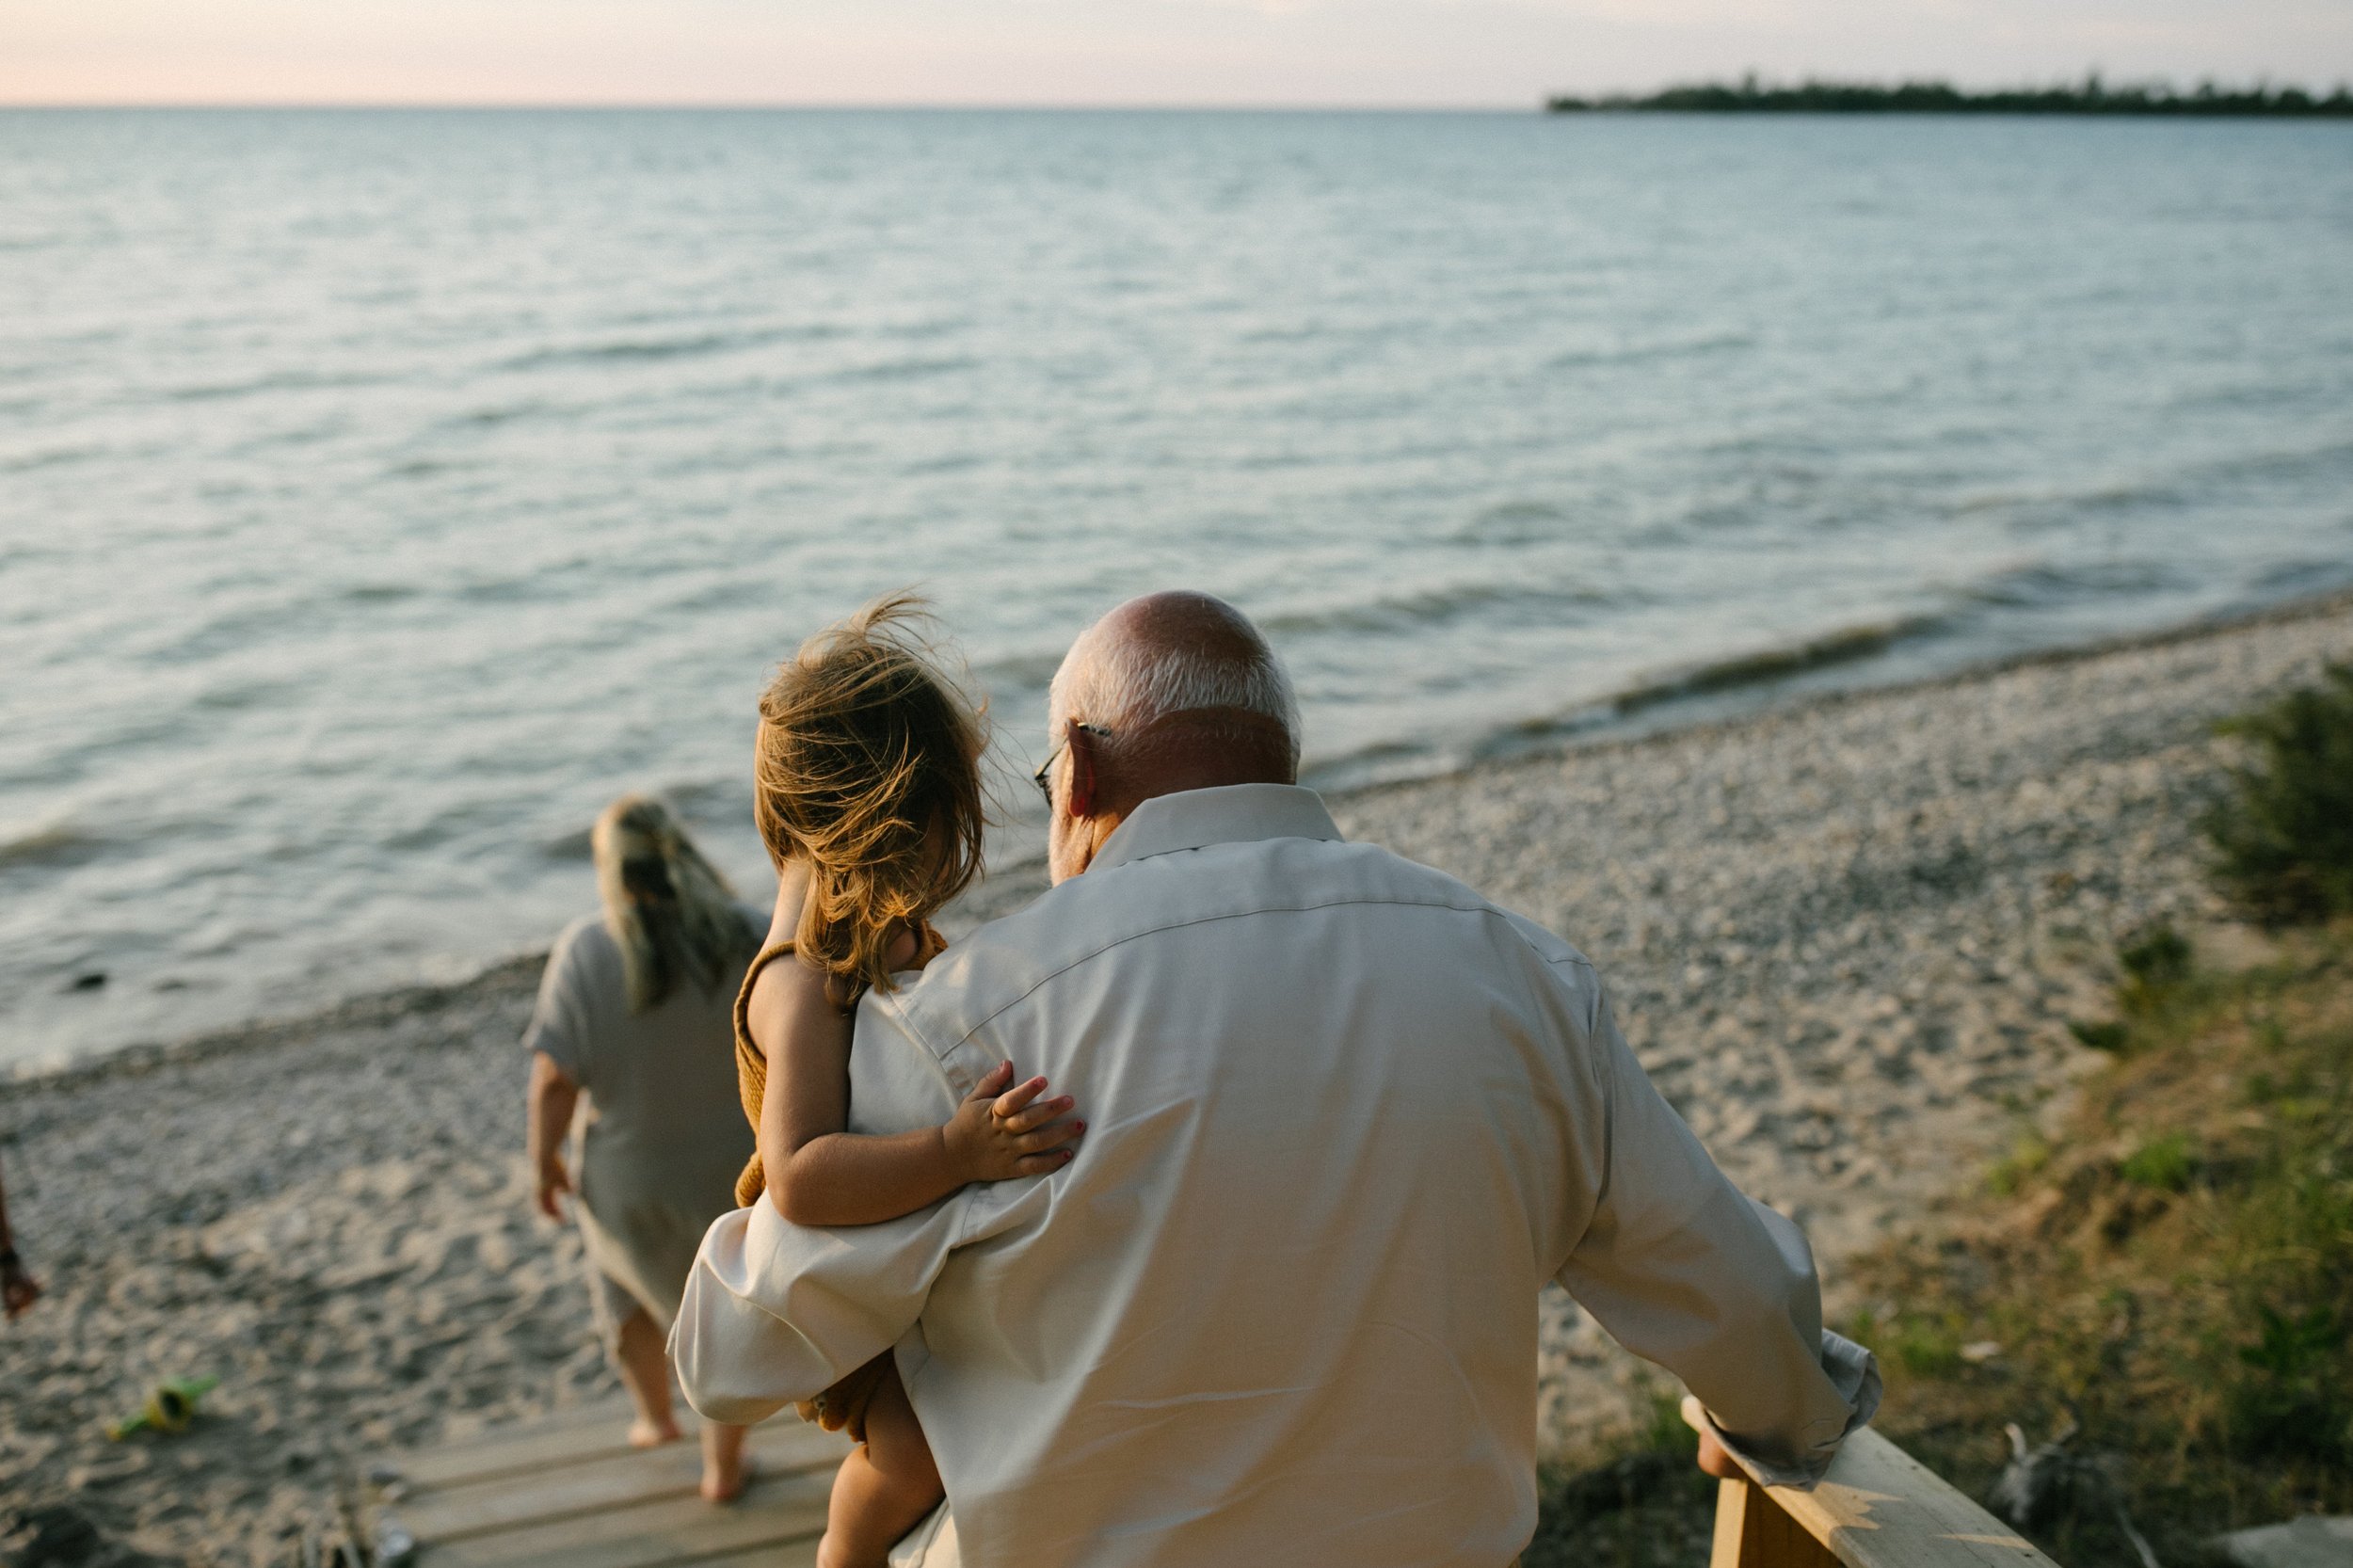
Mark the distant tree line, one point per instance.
(2090, 96)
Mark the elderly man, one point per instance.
(1346, 1118)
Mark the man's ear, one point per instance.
(1079, 757)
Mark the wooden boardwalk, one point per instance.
(570, 1493)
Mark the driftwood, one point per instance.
(2049, 1481)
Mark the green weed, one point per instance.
(2204, 1341)
(2284, 838)
(2164, 1164)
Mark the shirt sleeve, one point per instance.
(559, 1020)
(1684, 1271)
(776, 1312)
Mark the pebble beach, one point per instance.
(1845, 935)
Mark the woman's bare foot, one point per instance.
(644, 1362)
(644, 1434)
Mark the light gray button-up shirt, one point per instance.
(1346, 1117)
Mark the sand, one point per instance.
(1845, 937)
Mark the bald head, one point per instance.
(1182, 622)
(1179, 660)
(1171, 692)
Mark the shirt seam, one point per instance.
(1483, 909)
(1221, 837)
(886, 1001)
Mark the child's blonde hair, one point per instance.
(669, 908)
(867, 769)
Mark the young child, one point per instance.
(868, 794)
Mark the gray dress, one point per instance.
(661, 1132)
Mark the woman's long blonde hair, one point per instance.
(673, 914)
(867, 769)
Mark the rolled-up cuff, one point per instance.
(1854, 1373)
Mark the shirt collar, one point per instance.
(1230, 814)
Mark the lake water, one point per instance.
(380, 493)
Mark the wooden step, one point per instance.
(586, 1431)
(573, 1492)
(776, 1512)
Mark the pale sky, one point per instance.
(1470, 53)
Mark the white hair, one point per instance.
(1123, 684)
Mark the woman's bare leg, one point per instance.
(725, 1474)
(885, 1486)
(644, 1362)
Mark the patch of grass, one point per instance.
(2284, 1405)
(2111, 1036)
(1635, 1498)
(1927, 1345)
(2187, 1296)
(2164, 1164)
(2028, 1153)
(2156, 961)
(2284, 838)
(2153, 965)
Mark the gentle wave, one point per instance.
(1400, 613)
(52, 844)
(2043, 586)
(346, 577)
(33, 462)
(2288, 463)
(1513, 523)
(1639, 353)
(1757, 669)
(1763, 667)
(494, 415)
(905, 367)
(654, 350)
(276, 381)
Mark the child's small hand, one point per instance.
(997, 1133)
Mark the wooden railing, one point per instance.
(1878, 1507)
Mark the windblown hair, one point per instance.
(1124, 684)
(671, 911)
(868, 770)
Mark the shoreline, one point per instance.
(1844, 933)
(1693, 702)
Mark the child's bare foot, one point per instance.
(725, 1479)
(653, 1434)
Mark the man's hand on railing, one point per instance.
(1715, 1458)
(1715, 1461)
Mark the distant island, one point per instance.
(2088, 96)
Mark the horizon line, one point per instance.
(1534, 106)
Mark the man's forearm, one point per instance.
(1683, 1269)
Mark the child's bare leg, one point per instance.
(725, 1474)
(885, 1488)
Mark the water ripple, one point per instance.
(357, 546)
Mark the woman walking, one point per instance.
(636, 1013)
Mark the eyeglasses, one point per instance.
(1043, 778)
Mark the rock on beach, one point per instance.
(1845, 936)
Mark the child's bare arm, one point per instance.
(819, 1174)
